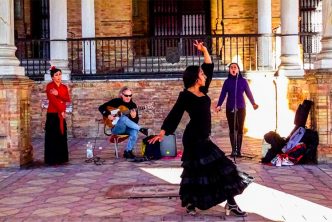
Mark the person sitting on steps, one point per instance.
(126, 124)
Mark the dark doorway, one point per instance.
(177, 19)
(40, 29)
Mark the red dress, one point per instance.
(56, 147)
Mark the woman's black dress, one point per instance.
(56, 147)
(208, 176)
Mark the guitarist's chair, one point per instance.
(116, 139)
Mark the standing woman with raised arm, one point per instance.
(56, 147)
(209, 177)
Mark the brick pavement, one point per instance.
(77, 191)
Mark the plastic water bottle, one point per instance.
(89, 150)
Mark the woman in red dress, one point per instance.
(56, 147)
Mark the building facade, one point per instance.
(97, 44)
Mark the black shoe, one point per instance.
(191, 209)
(233, 154)
(125, 154)
(129, 154)
(239, 154)
(145, 131)
(234, 210)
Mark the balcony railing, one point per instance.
(159, 57)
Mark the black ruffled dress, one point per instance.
(208, 176)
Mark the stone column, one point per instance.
(88, 31)
(290, 52)
(15, 88)
(264, 28)
(324, 58)
(9, 64)
(58, 36)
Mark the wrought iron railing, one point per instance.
(310, 46)
(159, 57)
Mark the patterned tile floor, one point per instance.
(77, 191)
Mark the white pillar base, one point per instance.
(323, 64)
(324, 58)
(290, 65)
(9, 64)
(291, 72)
(60, 64)
(267, 73)
(12, 71)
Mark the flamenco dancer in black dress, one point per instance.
(209, 177)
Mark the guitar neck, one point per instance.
(123, 110)
(126, 112)
(141, 108)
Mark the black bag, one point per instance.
(294, 139)
(277, 142)
(296, 153)
(151, 151)
(311, 140)
(302, 113)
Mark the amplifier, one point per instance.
(168, 146)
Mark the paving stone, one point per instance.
(78, 191)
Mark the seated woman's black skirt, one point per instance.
(209, 177)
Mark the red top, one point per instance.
(57, 104)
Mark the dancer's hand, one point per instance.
(217, 109)
(199, 45)
(255, 106)
(157, 138)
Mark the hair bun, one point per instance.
(54, 70)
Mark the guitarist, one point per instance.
(127, 124)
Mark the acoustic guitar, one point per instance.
(117, 113)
